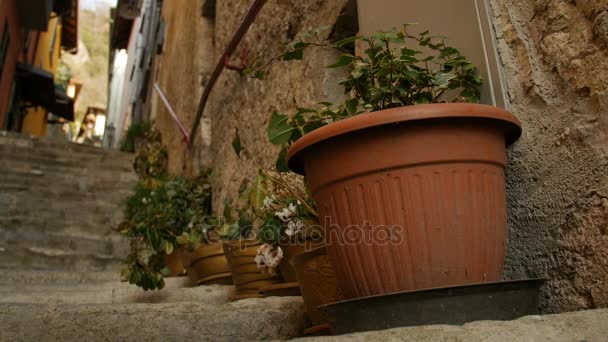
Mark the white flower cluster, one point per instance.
(268, 257)
(287, 215)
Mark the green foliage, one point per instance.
(135, 132)
(285, 207)
(163, 214)
(63, 76)
(151, 158)
(391, 73)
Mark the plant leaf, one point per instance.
(168, 247)
(442, 79)
(345, 41)
(281, 163)
(351, 105)
(279, 131)
(342, 61)
(258, 193)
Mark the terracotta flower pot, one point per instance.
(247, 278)
(208, 265)
(411, 197)
(174, 262)
(318, 283)
(291, 249)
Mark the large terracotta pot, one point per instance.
(411, 197)
(318, 283)
(174, 262)
(247, 278)
(208, 265)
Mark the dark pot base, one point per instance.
(448, 305)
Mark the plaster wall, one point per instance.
(181, 71)
(555, 62)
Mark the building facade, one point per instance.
(132, 47)
(33, 35)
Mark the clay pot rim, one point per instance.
(511, 124)
(240, 242)
(309, 254)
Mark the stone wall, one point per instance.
(556, 66)
(240, 102)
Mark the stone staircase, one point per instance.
(59, 202)
(60, 259)
(59, 262)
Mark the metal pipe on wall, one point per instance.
(219, 67)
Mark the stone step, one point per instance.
(587, 325)
(48, 158)
(58, 222)
(75, 180)
(273, 318)
(116, 294)
(78, 243)
(39, 258)
(35, 280)
(10, 141)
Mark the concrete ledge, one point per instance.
(590, 326)
(249, 319)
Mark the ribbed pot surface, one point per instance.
(247, 278)
(318, 283)
(208, 265)
(412, 204)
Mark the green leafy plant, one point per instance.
(63, 76)
(136, 131)
(397, 69)
(151, 158)
(162, 215)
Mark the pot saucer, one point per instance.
(454, 305)
(281, 290)
(318, 330)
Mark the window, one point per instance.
(466, 24)
(4, 44)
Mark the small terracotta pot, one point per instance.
(318, 284)
(174, 262)
(246, 276)
(412, 197)
(291, 249)
(208, 265)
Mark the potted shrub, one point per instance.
(158, 216)
(289, 223)
(240, 248)
(204, 257)
(408, 172)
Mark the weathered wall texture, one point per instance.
(181, 69)
(555, 60)
(244, 103)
